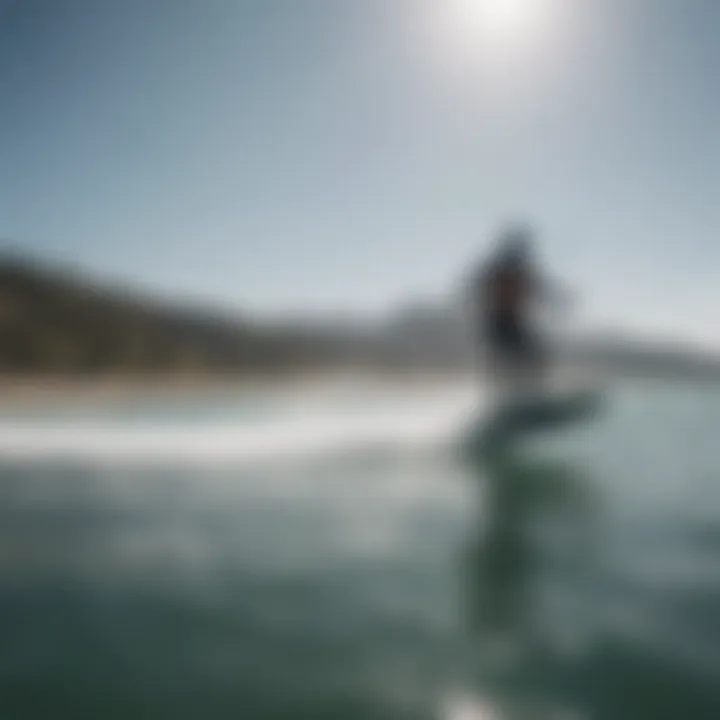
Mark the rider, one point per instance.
(505, 292)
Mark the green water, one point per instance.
(402, 580)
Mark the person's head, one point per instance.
(516, 244)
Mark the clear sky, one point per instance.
(333, 155)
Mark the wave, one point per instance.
(284, 437)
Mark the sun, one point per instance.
(499, 27)
(502, 18)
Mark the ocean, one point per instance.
(342, 551)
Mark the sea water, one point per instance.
(342, 552)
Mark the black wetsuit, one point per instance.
(507, 291)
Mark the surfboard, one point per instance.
(542, 413)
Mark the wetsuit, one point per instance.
(507, 291)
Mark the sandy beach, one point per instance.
(26, 389)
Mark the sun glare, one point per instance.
(501, 18)
(500, 28)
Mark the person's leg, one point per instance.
(527, 360)
(506, 357)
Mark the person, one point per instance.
(505, 294)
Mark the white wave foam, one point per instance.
(282, 438)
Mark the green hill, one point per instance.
(53, 321)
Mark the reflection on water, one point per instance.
(533, 510)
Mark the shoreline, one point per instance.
(26, 389)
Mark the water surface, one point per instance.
(336, 555)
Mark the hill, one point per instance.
(54, 321)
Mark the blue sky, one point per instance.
(326, 156)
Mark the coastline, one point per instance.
(23, 390)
